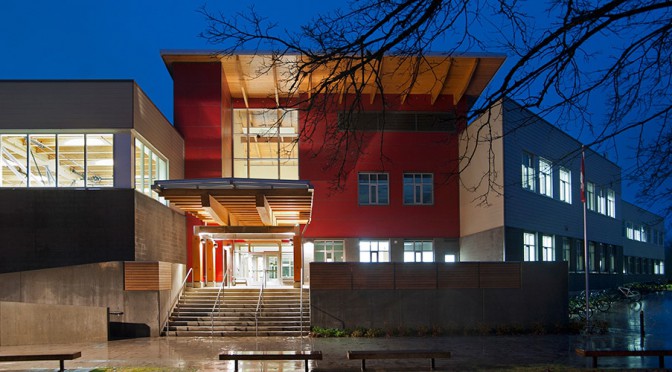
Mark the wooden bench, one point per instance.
(661, 354)
(236, 355)
(398, 354)
(26, 357)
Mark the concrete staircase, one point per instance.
(280, 313)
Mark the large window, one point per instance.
(373, 189)
(548, 248)
(529, 247)
(580, 256)
(590, 196)
(418, 188)
(265, 144)
(418, 251)
(528, 180)
(611, 203)
(601, 201)
(545, 177)
(591, 256)
(565, 185)
(329, 251)
(374, 251)
(566, 247)
(149, 167)
(56, 160)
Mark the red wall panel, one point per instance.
(336, 211)
(198, 94)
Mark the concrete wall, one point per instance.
(160, 232)
(540, 300)
(483, 246)
(57, 227)
(32, 324)
(97, 285)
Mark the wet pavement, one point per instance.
(469, 353)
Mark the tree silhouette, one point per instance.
(571, 61)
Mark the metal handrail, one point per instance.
(212, 313)
(177, 296)
(301, 302)
(256, 312)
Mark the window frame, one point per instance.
(418, 194)
(565, 185)
(374, 252)
(528, 175)
(545, 177)
(529, 247)
(418, 250)
(370, 186)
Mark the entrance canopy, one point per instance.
(242, 206)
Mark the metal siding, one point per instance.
(73, 105)
(157, 130)
(535, 212)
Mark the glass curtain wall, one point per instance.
(149, 167)
(56, 160)
(265, 144)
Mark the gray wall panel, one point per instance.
(66, 104)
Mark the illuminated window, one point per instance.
(329, 251)
(545, 177)
(449, 258)
(601, 201)
(528, 171)
(57, 160)
(374, 251)
(71, 160)
(580, 256)
(566, 247)
(265, 144)
(548, 248)
(591, 256)
(149, 167)
(611, 203)
(418, 188)
(418, 251)
(529, 247)
(373, 189)
(565, 185)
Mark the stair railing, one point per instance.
(212, 312)
(301, 302)
(256, 312)
(177, 297)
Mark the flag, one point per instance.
(583, 176)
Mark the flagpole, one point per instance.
(585, 234)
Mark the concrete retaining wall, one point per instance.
(94, 285)
(33, 324)
(540, 300)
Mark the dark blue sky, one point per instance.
(122, 39)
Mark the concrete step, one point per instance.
(252, 333)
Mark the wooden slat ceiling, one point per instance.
(243, 207)
(260, 76)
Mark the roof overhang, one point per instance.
(241, 202)
(269, 76)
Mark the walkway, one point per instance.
(470, 353)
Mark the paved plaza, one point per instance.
(469, 353)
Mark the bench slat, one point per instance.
(624, 353)
(398, 354)
(24, 357)
(271, 355)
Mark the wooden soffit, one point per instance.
(266, 76)
(240, 202)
